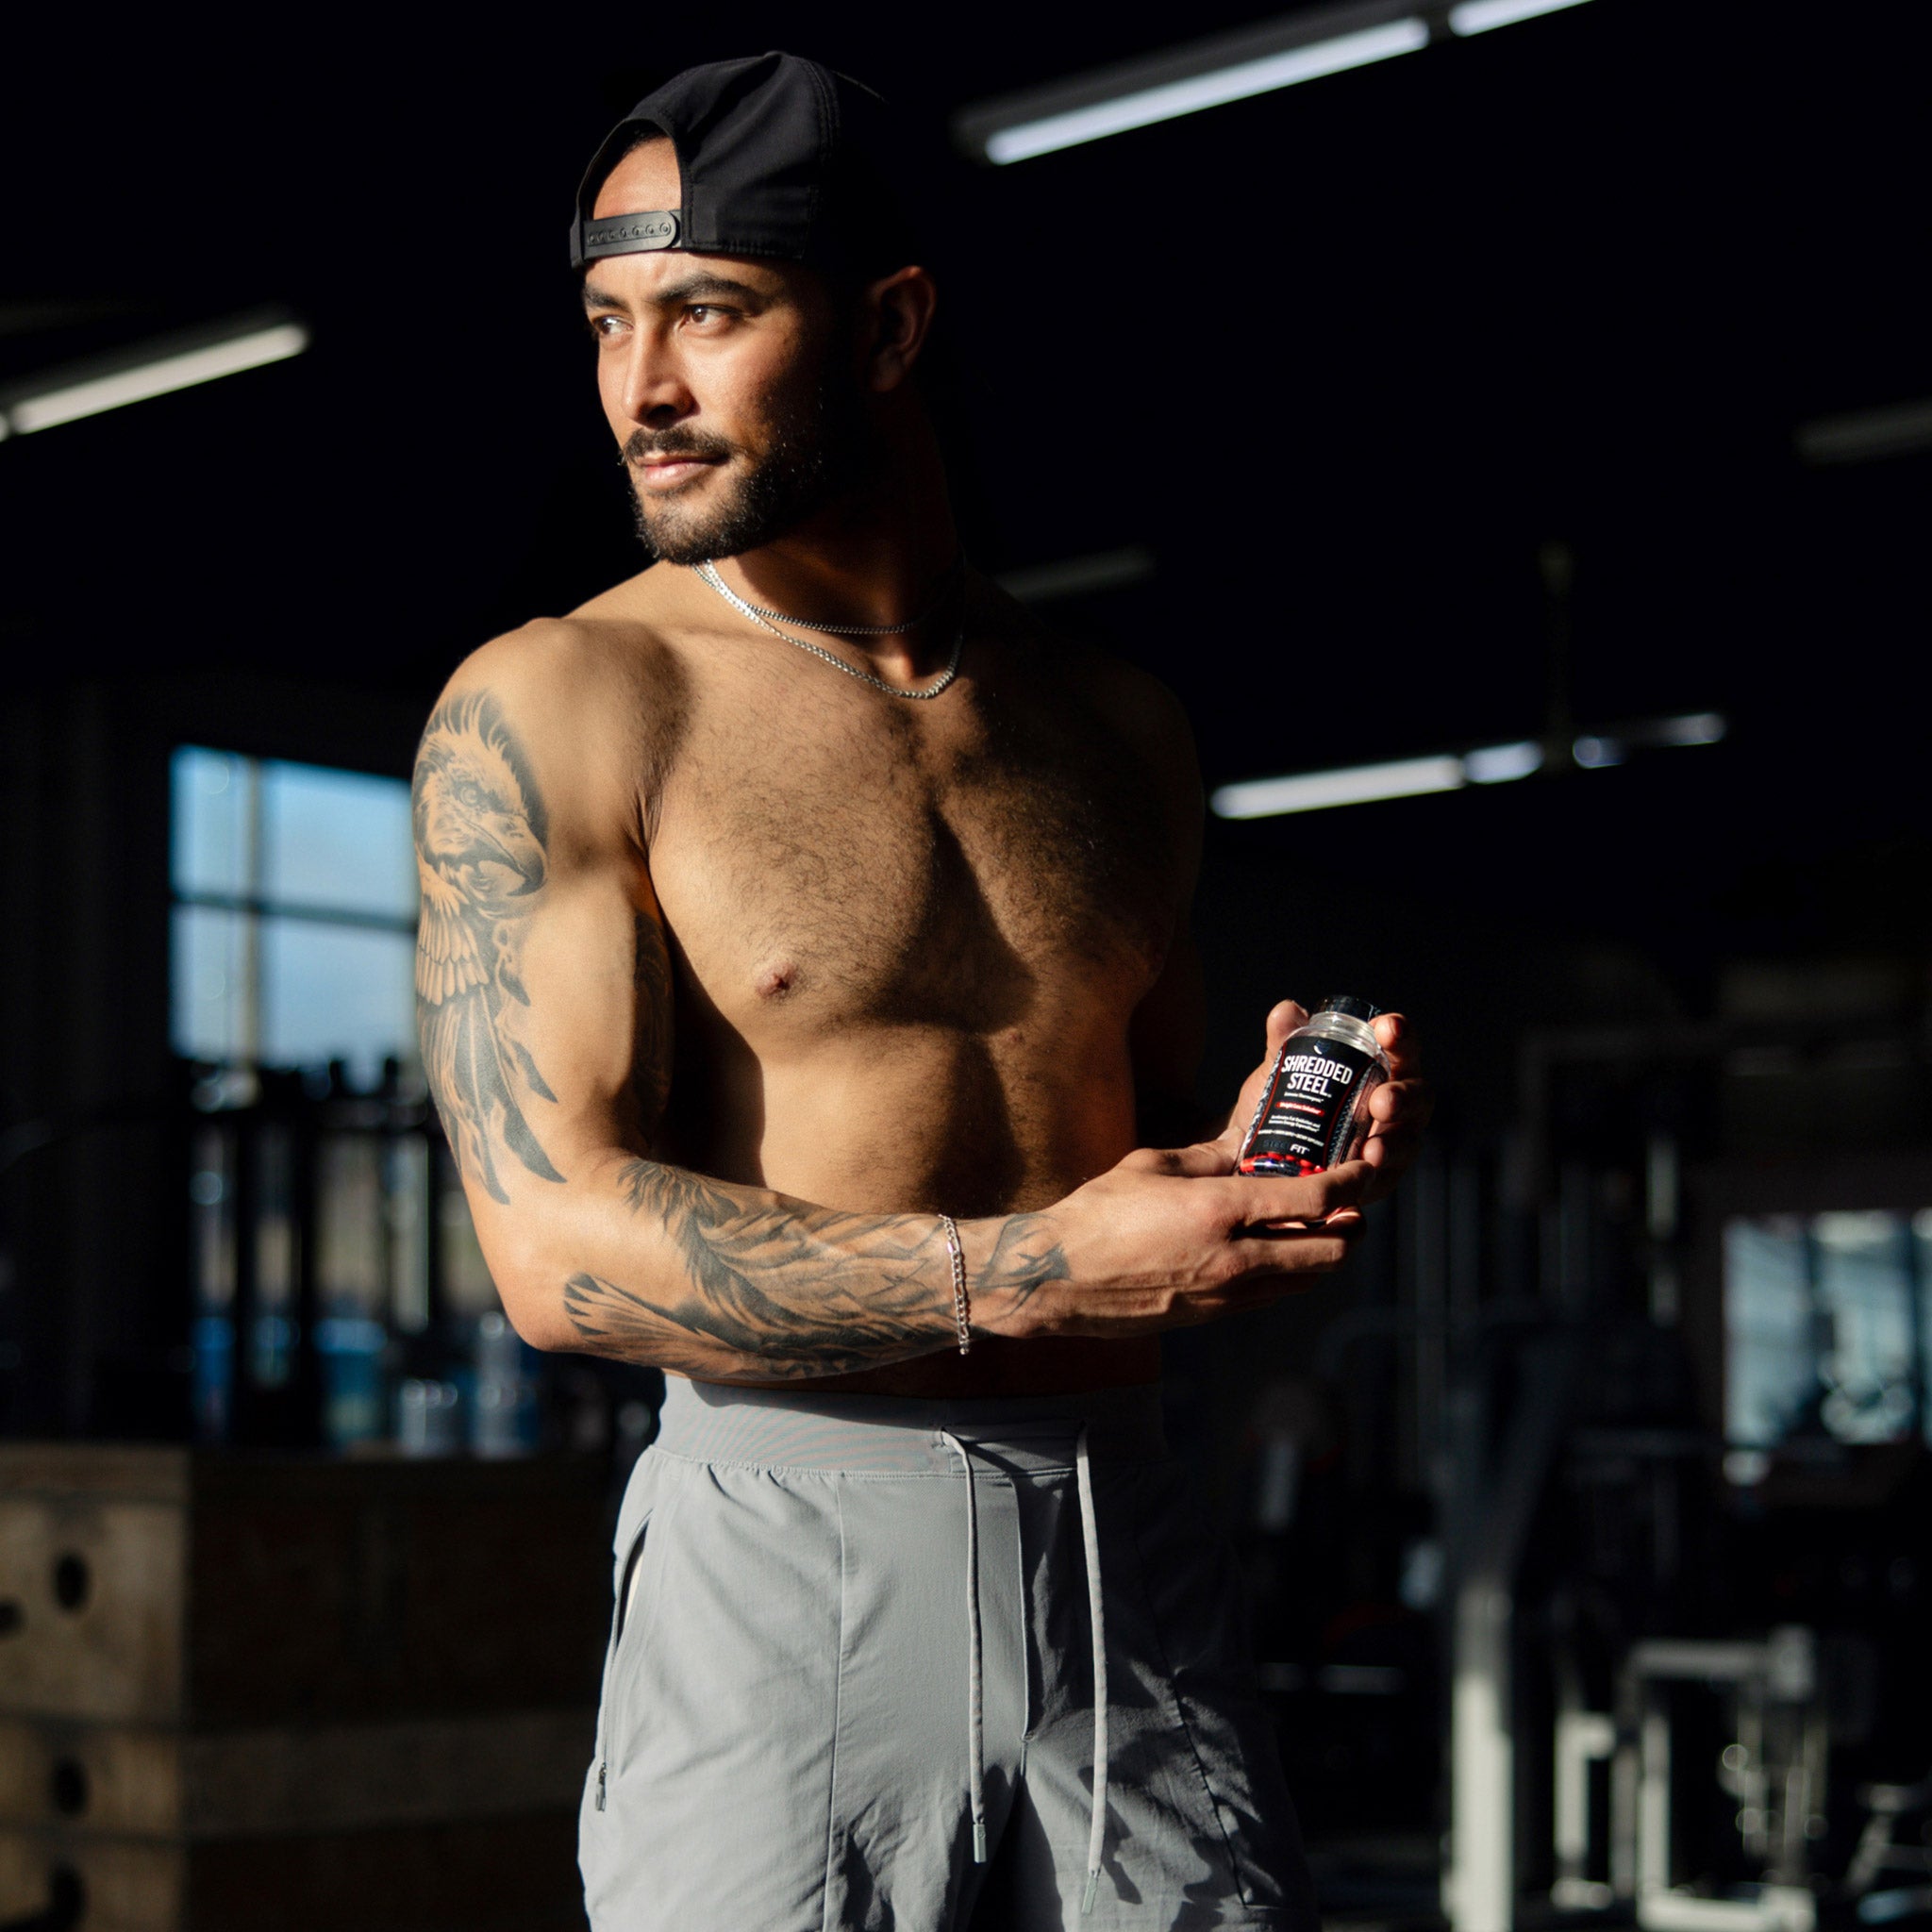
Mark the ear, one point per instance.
(898, 311)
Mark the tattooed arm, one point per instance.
(544, 988)
(775, 1287)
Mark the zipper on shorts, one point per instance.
(619, 1617)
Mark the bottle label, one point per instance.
(1312, 1112)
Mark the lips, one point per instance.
(671, 472)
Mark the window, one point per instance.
(295, 914)
(1828, 1327)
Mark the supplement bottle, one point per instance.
(1314, 1109)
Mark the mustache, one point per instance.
(642, 443)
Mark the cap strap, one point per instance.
(629, 234)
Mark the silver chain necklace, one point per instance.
(709, 577)
(709, 573)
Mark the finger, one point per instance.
(1402, 1103)
(1344, 1223)
(1391, 1144)
(1281, 1262)
(1251, 1200)
(1283, 1018)
(1388, 1158)
(1399, 1043)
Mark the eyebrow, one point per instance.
(696, 287)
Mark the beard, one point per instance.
(817, 449)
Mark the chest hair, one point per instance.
(867, 863)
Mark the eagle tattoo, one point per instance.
(480, 842)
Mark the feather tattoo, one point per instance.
(480, 848)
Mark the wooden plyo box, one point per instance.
(509, 1874)
(61, 1776)
(169, 1586)
(271, 1691)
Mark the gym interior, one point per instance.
(1503, 425)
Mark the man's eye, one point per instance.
(706, 311)
(605, 327)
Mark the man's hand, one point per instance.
(1174, 1236)
(1399, 1109)
(1170, 1239)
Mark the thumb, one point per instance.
(1282, 1020)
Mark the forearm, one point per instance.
(650, 1264)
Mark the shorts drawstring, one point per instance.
(1096, 1615)
(976, 1727)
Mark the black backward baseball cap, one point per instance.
(776, 156)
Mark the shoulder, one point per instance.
(1147, 712)
(565, 668)
(1130, 703)
(1147, 716)
(584, 710)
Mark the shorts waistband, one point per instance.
(893, 1435)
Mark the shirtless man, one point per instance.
(789, 1000)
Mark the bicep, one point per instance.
(542, 981)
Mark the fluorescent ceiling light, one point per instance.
(1898, 429)
(164, 367)
(1489, 764)
(1496, 764)
(1185, 80)
(1264, 798)
(1213, 89)
(1078, 576)
(1649, 734)
(1229, 67)
(1598, 752)
(1696, 727)
(1479, 16)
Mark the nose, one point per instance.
(653, 392)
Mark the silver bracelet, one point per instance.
(963, 1308)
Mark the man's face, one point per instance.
(726, 382)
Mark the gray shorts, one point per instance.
(846, 1689)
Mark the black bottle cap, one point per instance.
(1347, 1003)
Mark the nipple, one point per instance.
(775, 981)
